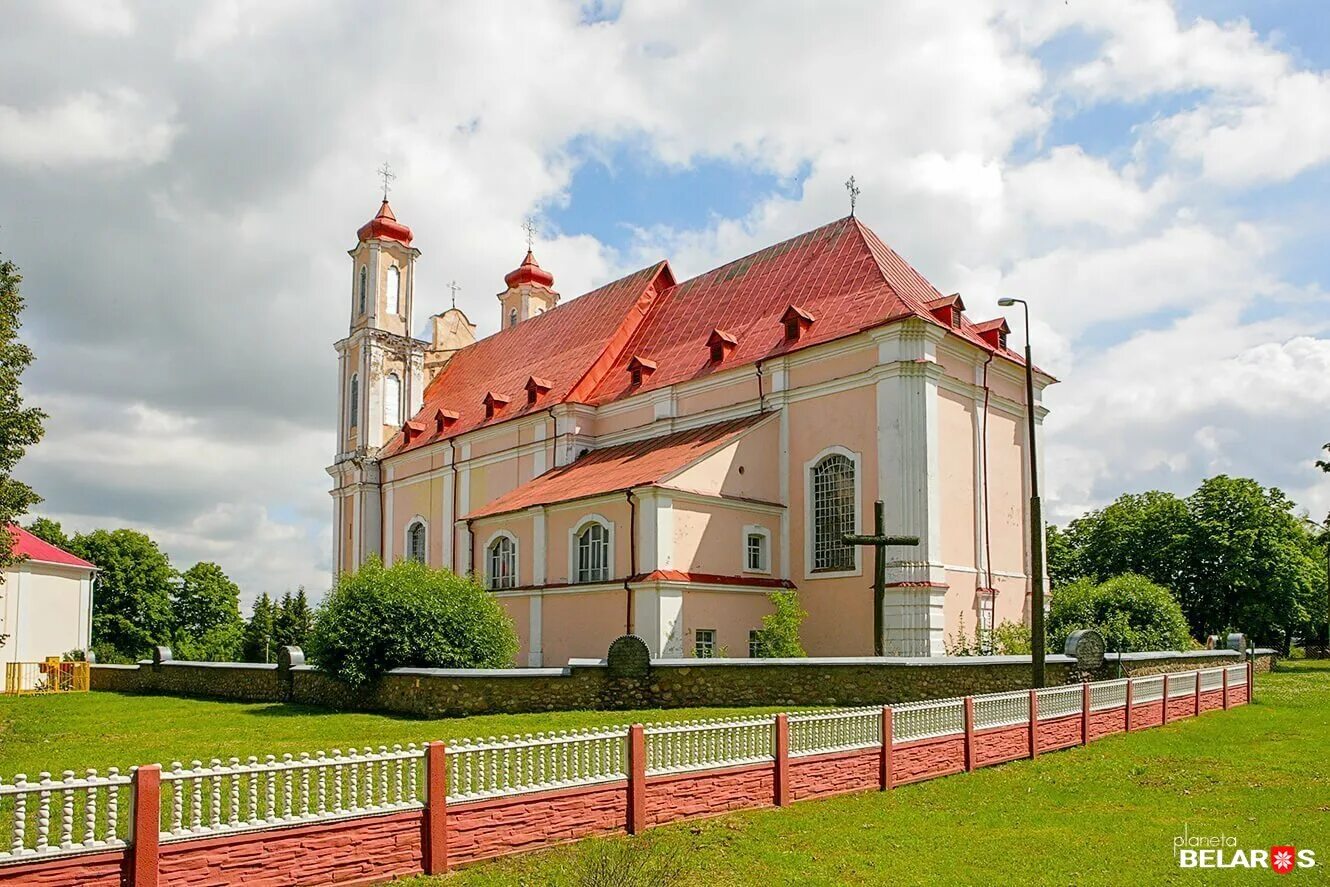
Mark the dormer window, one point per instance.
(494, 403)
(535, 387)
(638, 369)
(796, 320)
(412, 429)
(443, 420)
(721, 344)
(948, 309)
(994, 332)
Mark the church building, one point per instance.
(656, 456)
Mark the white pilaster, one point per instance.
(664, 534)
(538, 457)
(647, 542)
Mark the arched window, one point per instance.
(501, 563)
(392, 399)
(393, 297)
(353, 408)
(512, 317)
(592, 552)
(364, 287)
(832, 493)
(415, 541)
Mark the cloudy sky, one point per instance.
(180, 183)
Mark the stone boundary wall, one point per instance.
(667, 683)
(370, 848)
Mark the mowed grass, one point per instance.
(1106, 814)
(82, 730)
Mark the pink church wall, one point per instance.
(956, 457)
(732, 614)
(562, 520)
(581, 625)
(710, 538)
(749, 468)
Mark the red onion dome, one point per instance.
(529, 272)
(385, 226)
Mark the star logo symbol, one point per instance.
(1281, 859)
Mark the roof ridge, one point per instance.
(623, 334)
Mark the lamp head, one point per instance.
(1006, 301)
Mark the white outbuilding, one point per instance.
(45, 601)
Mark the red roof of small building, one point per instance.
(384, 226)
(621, 467)
(33, 548)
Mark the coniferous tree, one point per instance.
(258, 643)
(20, 427)
(292, 620)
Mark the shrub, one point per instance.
(408, 615)
(1012, 639)
(1131, 612)
(778, 638)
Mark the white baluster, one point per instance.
(44, 812)
(215, 817)
(234, 819)
(270, 775)
(252, 765)
(286, 786)
(20, 815)
(196, 813)
(90, 813)
(177, 801)
(113, 806)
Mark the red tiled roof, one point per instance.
(622, 467)
(31, 547)
(712, 579)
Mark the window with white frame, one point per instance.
(592, 553)
(501, 563)
(832, 487)
(415, 541)
(363, 288)
(353, 407)
(987, 600)
(757, 550)
(704, 643)
(393, 295)
(392, 399)
(754, 644)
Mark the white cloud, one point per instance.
(119, 126)
(112, 17)
(1069, 187)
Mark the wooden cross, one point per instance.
(529, 226)
(452, 285)
(386, 173)
(854, 193)
(879, 540)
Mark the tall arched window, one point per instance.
(363, 288)
(501, 563)
(393, 296)
(512, 317)
(392, 399)
(832, 488)
(353, 408)
(415, 541)
(592, 553)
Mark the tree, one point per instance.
(206, 609)
(292, 619)
(1324, 464)
(258, 643)
(778, 638)
(1142, 533)
(1131, 612)
(20, 427)
(132, 603)
(378, 618)
(50, 531)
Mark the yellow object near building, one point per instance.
(51, 676)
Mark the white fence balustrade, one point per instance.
(1001, 709)
(822, 732)
(924, 720)
(1237, 675)
(234, 796)
(1147, 689)
(72, 814)
(1058, 702)
(1108, 694)
(487, 768)
(1182, 685)
(1212, 679)
(702, 745)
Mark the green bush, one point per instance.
(1012, 639)
(1131, 612)
(778, 638)
(408, 615)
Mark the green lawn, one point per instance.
(101, 730)
(1106, 814)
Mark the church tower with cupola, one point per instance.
(530, 292)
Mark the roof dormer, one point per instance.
(721, 344)
(639, 368)
(994, 332)
(493, 403)
(796, 321)
(444, 419)
(535, 387)
(412, 429)
(947, 309)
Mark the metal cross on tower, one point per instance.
(529, 226)
(386, 173)
(879, 540)
(452, 285)
(854, 193)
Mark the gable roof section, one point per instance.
(565, 347)
(621, 467)
(39, 550)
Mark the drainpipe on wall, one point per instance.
(632, 562)
(452, 524)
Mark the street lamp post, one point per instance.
(1037, 652)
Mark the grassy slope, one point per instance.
(1106, 814)
(99, 730)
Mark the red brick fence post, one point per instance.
(884, 775)
(436, 808)
(637, 779)
(145, 828)
(782, 760)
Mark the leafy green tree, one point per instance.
(379, 618)
(49, 531)
(778, 638)
(206, 607)
(1131, 612)
(1144, 533)
(132, 604)
(20, 426)
(258, 641)
(293, 619)
(1324, 464)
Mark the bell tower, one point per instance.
(530, 287)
